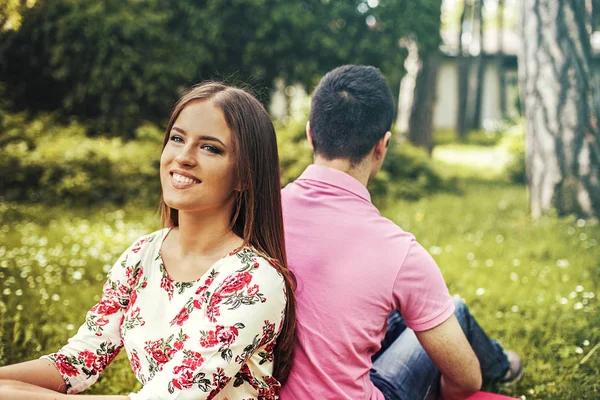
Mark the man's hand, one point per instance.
(451, 352)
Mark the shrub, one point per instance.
(43, 161)
(407, 173)
(51, 163)
(295, 153)
(514, 142)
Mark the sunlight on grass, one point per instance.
(470, 161)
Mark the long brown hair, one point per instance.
(257, 217)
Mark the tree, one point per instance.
(463, 65)
(10, 13)
(562, 142)
(475, 119)
(420, 129)
(500, 57)
(115, 63)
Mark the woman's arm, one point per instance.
(37, 373)
(17, 390)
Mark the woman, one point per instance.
(204, 307)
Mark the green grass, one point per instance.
(53, 262)
(532, 285)
(472, 162)
(478, 137)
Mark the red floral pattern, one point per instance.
(66, 366)
(135, 362)
(219, 381)
(213, 327)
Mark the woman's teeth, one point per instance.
(184, 179)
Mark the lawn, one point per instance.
(532, 285)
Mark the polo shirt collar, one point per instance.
(335, 177)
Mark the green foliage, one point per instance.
(407, 173)
(51, 163)
(10, 13)
(514, 142)
(295, 153)
(480, 137)
(115, 63)
(110, 63)
(495, 154)
(43, 161)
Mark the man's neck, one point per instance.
(360, 172)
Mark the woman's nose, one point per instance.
(185, 157)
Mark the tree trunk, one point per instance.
(407, 87)
(475, 122)
(500, 57)
(562, 143)
(463, 64)
(420, 129)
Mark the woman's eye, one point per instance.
(176, 138)
(211, 149)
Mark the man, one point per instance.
(356, 268)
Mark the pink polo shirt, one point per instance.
(354, 267)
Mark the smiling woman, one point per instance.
(198, 161)
(204, 307)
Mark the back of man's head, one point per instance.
(352, 108)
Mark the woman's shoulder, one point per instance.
(249, 256)
(150, 241)
(255, 267)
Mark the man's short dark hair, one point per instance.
(352, 108)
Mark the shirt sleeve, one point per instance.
(420, 292)
(241, 318)
(98, 341)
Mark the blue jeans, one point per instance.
(402, 370)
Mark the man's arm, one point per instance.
(451, 352)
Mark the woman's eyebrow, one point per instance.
(201, 137)
(211, 138)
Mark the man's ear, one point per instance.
(309, 135)
(382, 144)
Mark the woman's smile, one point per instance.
(181, 180)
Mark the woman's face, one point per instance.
(197, 164)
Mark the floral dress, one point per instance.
(208, 339)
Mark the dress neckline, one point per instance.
(165, 272)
